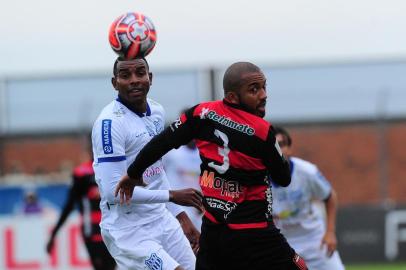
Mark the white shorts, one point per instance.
(160, 244)
(324, 262)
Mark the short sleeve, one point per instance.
(320, 186)
(108, 140)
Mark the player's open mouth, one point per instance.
(261, 107)
(136, 92)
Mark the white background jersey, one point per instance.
(182, 167)
(117, 137)
(293, 206)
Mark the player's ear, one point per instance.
(232, 97)
(150, 78)
(114, 82)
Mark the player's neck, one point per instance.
(138, 108)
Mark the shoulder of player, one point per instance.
(155, 105)
(113, 112)
(156, 108)
(304, 166)
(207, 105)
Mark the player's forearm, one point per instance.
(280, 172)
(278, 165)
(174, 208)
(142, 195)
(111, 172)
(331, 212)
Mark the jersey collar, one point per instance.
(147, 113)
(236, 106)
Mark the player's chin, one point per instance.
(260, 112)
(137, 99)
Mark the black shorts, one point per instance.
(222, 248)
(99, 255)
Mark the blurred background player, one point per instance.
(182, 167)
(141, 234)
(304, 227)
(85, 193)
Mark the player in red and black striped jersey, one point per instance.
(85, 193)
(239, 152)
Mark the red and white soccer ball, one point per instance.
(132, 35)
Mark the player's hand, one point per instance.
(125, 188)
(190, 231)
(330, 241)
(187, 197)
(50, 245)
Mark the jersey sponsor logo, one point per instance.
(158, 126)
(269, 199)
(203, 113)
(154, 262)
(140, 134)
(106, 136)
(227, 207)
(150, 131)
(230, 189)
(151, 171)
(225, 121)
(119, 112)
(175, 125)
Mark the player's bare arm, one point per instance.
(329, 239)
(187, 197)
(189, 230)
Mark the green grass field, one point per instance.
(376, 267)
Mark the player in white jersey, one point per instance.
(182, 166)
(142, 234)
(307, 231)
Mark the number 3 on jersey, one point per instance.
(222, 152)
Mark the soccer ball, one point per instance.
(132, 35)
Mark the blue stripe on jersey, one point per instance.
(291, 166)
(111, 159)
(106, 136)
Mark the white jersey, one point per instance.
(118, 135)
(293, 207)
(182, 167)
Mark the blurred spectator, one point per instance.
(31, 204)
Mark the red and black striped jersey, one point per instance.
(85, 194)
(238, 151)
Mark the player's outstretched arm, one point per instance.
(67, 209)
(329, 239)
(187, 197)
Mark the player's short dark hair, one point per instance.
(115, 71)
(279, 130)
(232, 76)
